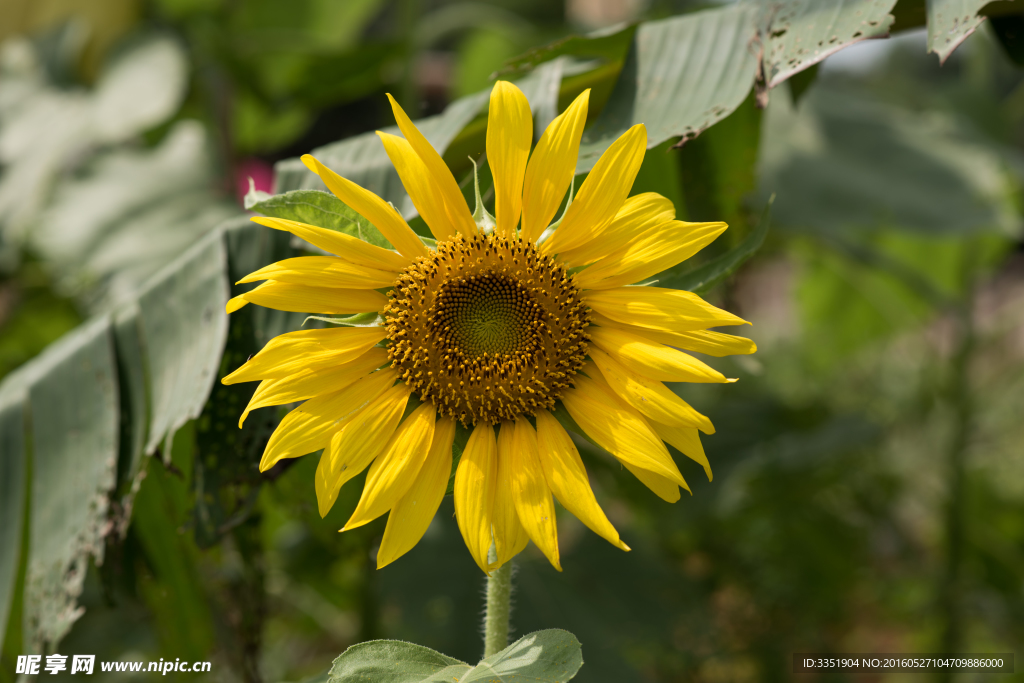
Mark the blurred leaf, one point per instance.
(480, 53)
(799, 84)
(332, 79)
(107, 231)
(1009, 31)
(844, 163)
(704, 278)
(362, 160)
(322, 209)
(13, 485)
(950, 22)
(141, 89)
(259, 127)
(804, 32)
(301, 25)
(609, 44)
(392, 661)
(74, 432)
(682, 75)
(36, 317)
(551, 656)
(184, 329)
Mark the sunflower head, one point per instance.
(496, 327)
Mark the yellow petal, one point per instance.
(716, 344)
(371, 207)
(671, 310)
(552, 167)
(687, 441)
(666, 489)
(618, 429)
(509, 135)
(344, 246)
(361, 439)
(454, 203)
(531, 494)
(637, 214)
(283, 296)
(475, 483)
(653, 399)
(661, 248)
(322, 271)
(652, 360)
(311, 382)
(397, 467)
(412, 514)
(602, 193)
(567, 477)
(292, 352)
(310, 427)
(509, 535)
(422, 189)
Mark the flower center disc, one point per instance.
(487, 328)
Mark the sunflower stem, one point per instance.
(499, 598)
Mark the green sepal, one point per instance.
(357, 320)
(484, 220)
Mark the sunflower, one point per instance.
(504, 331)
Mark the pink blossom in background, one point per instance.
(260, 171)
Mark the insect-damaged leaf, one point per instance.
(804, 32)
(73, 406)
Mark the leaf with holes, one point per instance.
(74, 429)
(804, 32)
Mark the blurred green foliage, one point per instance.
(868, 473)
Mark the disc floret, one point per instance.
(487, 328)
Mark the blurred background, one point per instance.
(869, 470)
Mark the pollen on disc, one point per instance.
(487, 328)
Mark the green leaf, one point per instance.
(608, 44)
(184, 329)
(682, 75)
(804, 32)
(700, 280)
(950, 22)
(549, 656)
(12, 494)
(74, 429)
(394, 661)
(321, 209)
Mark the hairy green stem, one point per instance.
(499, 594)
